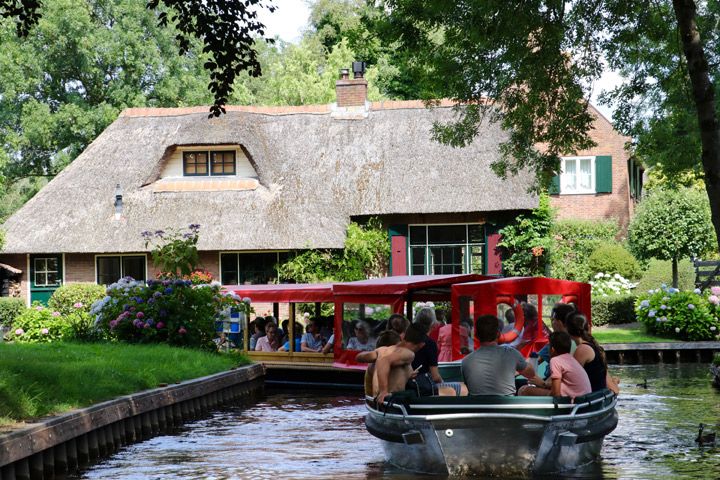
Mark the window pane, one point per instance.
(476, 260)
(52, 264)
(40, 265)
(229, 273)
(257, 268)
(585, 177)
(195, 163)
(40, 278)
(417, 235)
(108, 270)
(52, 278)
(446, 260)
(418, 260)
(476, 233)
(134, 267)
(223, 163)
(446, 234)
(569, 177)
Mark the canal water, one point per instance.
(311, 435)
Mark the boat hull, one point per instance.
(491, 444)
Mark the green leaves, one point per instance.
(526, 242)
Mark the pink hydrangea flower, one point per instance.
(78, 305)
(182, 331)
(39, 308)
(715, 290)
(44, 331)
(140, 315)
(56, 314)
(160, 325)
(19, 332)
(714, 299)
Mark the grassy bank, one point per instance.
(631, 333)
(43, 379)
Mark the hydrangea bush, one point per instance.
(164, 311)
(605, 284)
(38, 324)
(687, 315)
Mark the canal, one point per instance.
(312, 435)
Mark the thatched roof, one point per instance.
(315, 171)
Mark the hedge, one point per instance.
(65, 298)
(10, 308)
(613, 309)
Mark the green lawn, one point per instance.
(626, 335)
(43, 379)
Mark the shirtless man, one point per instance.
(393, 363)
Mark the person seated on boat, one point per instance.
(558, 320)
(286, 341)
(491, 369)
(590, 354)
(312, 341)
(393, 363)
(223, 342)
(329, 346)
(567, 378)
(509, 325)
(445, 341)
(398, 324)
(260, 323)
(470, 345)
(386, 338)
(426, 359)
(271, 341)
(284, 332)
(362, 340)
(530, 332)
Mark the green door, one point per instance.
(45, 276)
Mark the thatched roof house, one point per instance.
(263, 180)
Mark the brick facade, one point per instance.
(616, 205)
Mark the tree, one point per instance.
(670, 225)
(531, 67)
(226, 29)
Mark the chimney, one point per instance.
(118, 201)
(351, 92)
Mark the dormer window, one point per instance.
(195, 164)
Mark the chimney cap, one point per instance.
(344, 73)
(358, 69)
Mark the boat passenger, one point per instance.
(362, 340)
(393, 363)
(445, 341)
(558, 319)
(530, 333)
(426, 359)
(589, 352)
(312, 341)
(385, 339)
(398, 323)
(491, 369)
(271, 341)
(260, 323)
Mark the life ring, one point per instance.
(519, 319)
(569, 299)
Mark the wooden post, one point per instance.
(291, 328)
(61, 460)
(71, 450)
(408, 308)
(276, 311)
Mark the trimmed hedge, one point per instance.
(10, 308)
(613, 309)
(614, 258)
(65, 298)
(574, 242)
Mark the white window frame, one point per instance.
(122, 274)
(467, 266)
(578, 190)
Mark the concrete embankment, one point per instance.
(57, 445)
(667, 352)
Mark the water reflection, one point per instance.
(321, 435)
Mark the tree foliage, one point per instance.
(573, 243)
(671, 224)
(366, 254)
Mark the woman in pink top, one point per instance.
(270, 342)
(444, 341)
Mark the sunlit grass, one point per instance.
(42, 379)
(627, 335)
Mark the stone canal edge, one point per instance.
(58, 444)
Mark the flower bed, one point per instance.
(688, 315)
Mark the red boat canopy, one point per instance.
(404, 284)
(282, 293)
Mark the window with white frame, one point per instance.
(112, 268)
(577, 175)
(446, 249)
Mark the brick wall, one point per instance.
(616, 205)
(351, 92)
(79, 267)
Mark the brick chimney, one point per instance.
(351, 92)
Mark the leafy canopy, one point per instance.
(671, 224)
(526, 242)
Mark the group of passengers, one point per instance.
(409, 360)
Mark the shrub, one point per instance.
(9, 309)
(613, 309)
(659, 272)
(574, 242)
(171, 311)
(670, 225)
(67, 298)
(37, 324)
(174, 251)
(605, 284)
(614, 258)
(526, 242)
(670, 312)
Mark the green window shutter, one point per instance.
(603, 174)
(631, 174)
(554, 185)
